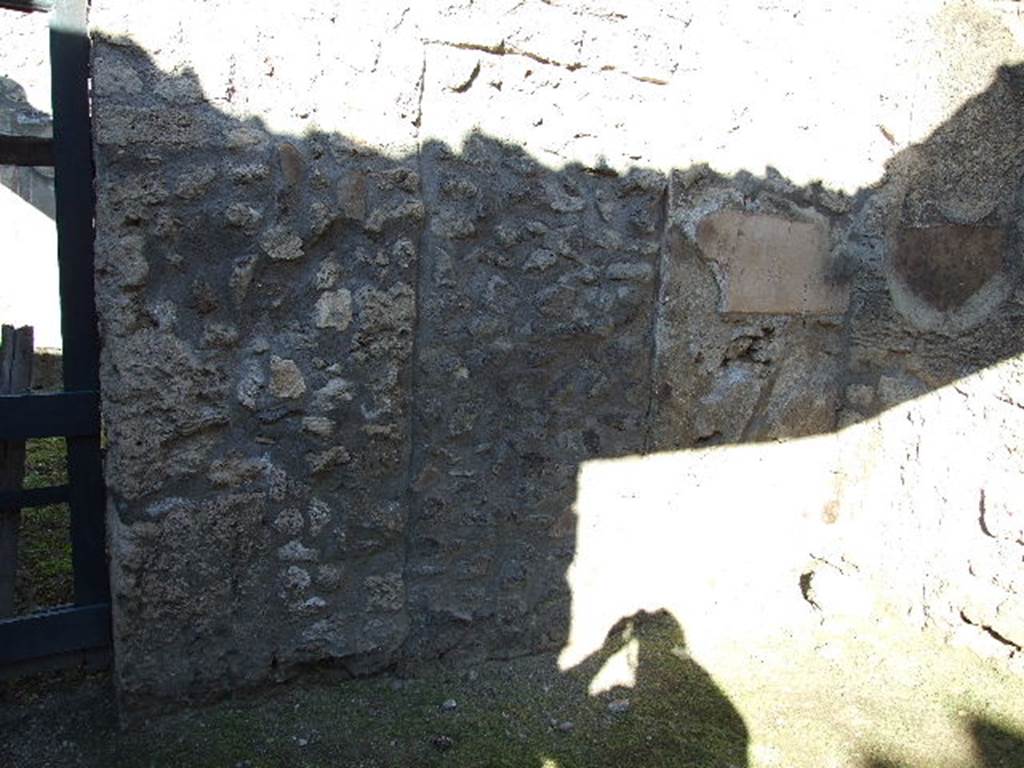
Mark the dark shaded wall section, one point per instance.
(347, 395)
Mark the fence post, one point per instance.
(15, 378)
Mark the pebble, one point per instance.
(619, 706)
(449, 705)
(442, 743)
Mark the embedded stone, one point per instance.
(289, 521)
(319, 515)
(124, 259)
(296, 551)
(352, 197)
(386, 517)
(241, 277)
(771, 265)
(321, 426)
(861, 396)
(245, 137)
(250, 384)
(164, 314)
(335, 391)
(408, 211)
(285, 378)
(403, 251)
(385, 593)
(164, 507)
(236, 470)
(248, 173)
(314, 604)
(321, 461)
(404, 178)
(320, 218)
(459, 188)
(328, 576)
(292, 163)
(194, 185)
(540, 260)
(629, 270)
(130, 126)
(241, 215)
(452, 224)
(219, 335)
(331, 636)
(294, 578)
(281, 245)
(327, 275)
(562, 199)
(333, 310)
(112, 77)
(387, 311)
(259, 345)
(277, 482)
(181, 91)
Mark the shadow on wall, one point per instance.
(995, 747)
(363, 410)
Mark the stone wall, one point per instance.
(453, 330)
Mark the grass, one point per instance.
(499, 714)
(44, 576)
(879, 698)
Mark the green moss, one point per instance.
(45, 462)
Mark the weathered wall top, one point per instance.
(825, 91)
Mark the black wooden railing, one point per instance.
(66, 632)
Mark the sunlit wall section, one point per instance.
(817, 91)
(910, 515)
(348, 67)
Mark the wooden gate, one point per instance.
(67, 633)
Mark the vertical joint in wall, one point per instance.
(421, 244)
(659, 270)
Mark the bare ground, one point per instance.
(867, 697)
